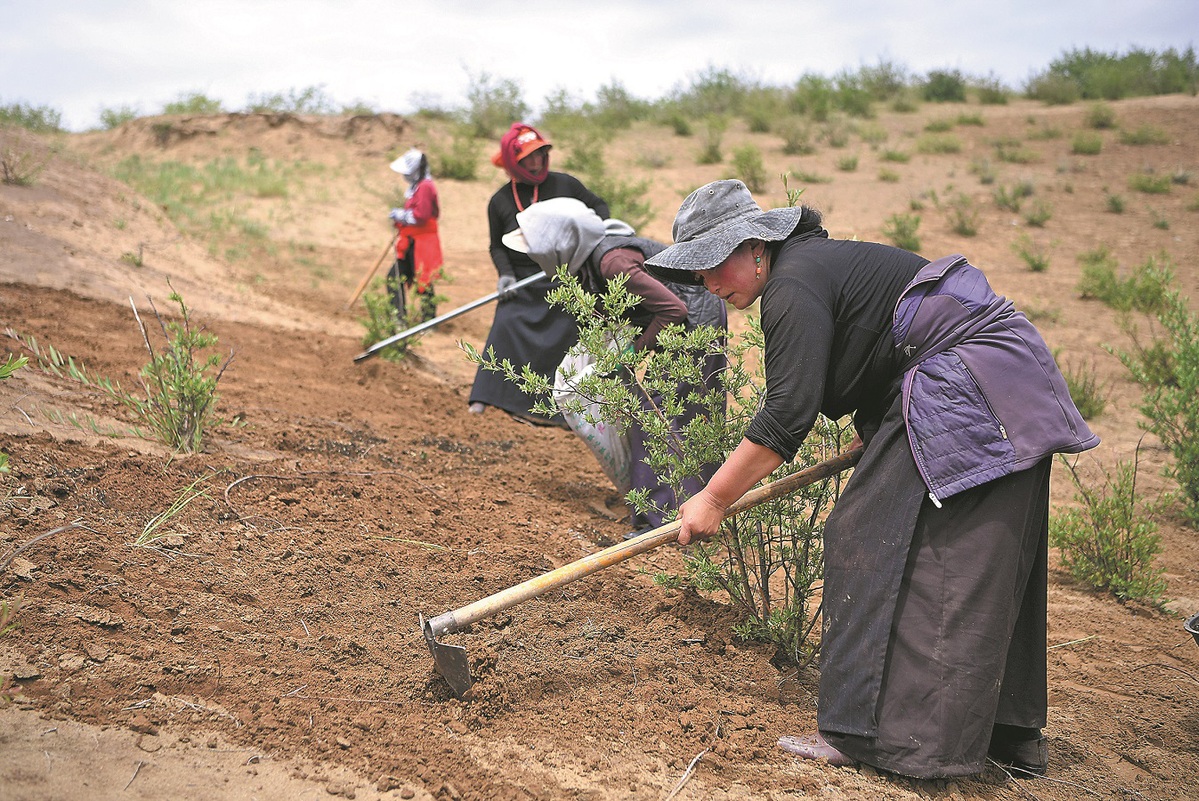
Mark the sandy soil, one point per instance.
(270, 649)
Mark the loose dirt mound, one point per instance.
(269, 647)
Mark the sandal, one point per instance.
(814, 746)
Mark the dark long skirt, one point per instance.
(526, 330)
(959, 645)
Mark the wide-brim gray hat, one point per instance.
(714, 220)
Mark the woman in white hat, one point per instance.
(933, 646)
(418, 245)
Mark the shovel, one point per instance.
(451, 660)
(427, 324)
(366, 279)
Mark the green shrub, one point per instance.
(178, 383)
(1100, 116)
(1088, 394)
(193, 103)
(1053, 90)
(984, 170)
(116, 117)
(939, 126)
(991, 91)
(39, 119)
(888, 176)
(963, 215)
(1144, 290)
(796, 135)
(1038, 213)
(944, 86)
(897, 156)
(382, 319)
(847, 163)
(20, 167)
(461, 161)
(1086, 144)
(768, 561)
(1144, 135)
(836, 132)
(1033, 254)
(711, 141)
(748, 166)
(901, 230)
(938, 143)
(1114, 204)
(1016, 154)
(1012, 198)
(310, 100)
(974, 119)
(1167, 368)
(1150, 183)
(626, 199)
(1110, 540)
(1045, 132)
(492, 105)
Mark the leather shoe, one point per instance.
(1026, 756)
(814, 746)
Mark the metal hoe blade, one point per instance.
(451, 661)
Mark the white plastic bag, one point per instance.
(607, 443)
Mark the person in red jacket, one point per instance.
(418, 246)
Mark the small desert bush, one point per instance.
(1150, 183)
(797, 137)
(984, 170)
(901, 230)
(847, 163)
(888, 176)
(309, 100)
(1033, 255)
(748, 166)
(383, 318)
(1011, 198)
(944, 86)
(897, 156)
(1110, 539)
(1038, 213)
(460, 161)
(1144, 290)
(1114, 204)
(492, 105)
(626, 199)
(1100, 116)
(1086, 390)
(1086, 143)
(711, 140)
(193, 103)
(1167, 369)
(1043, 132)
(116, 117)
(178, 398)
(39, 119)
(20, 166)
(1016, 154)
(975, 119)
(939, 126)
(938, 144)
(962, 213)
(1144, 135)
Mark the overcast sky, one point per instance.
(81, 56)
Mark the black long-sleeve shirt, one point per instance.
(826, 318)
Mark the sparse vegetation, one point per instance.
(1031, 253)
(748, 166)
(1110, 540)
(962, 212)
(1144, 290)
(901, 230)
(1085, 143)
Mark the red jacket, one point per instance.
(422, 237)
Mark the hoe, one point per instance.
(452, 661)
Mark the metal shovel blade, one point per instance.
(451, 661)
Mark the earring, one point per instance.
(758, 271)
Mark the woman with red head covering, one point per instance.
(526, 329)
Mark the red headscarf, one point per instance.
(518, 142)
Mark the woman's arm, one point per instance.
(748, 464)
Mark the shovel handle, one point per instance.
(367, 278)
(458, 619)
